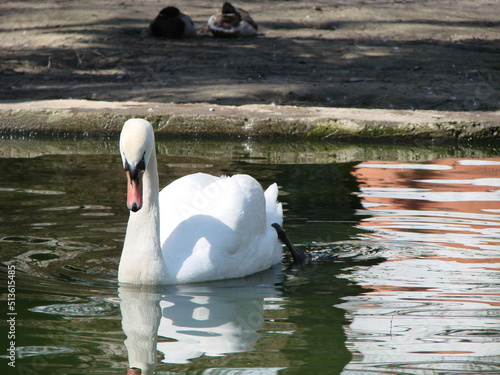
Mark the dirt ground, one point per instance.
(392, 54)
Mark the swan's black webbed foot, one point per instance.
(298, 255)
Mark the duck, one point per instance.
(198, 228)
(171, 23)
(232, 23)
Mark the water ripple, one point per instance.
(440, 300)
(32, 351)
(97, 307)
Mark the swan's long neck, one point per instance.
(141, 316)
(142, 260)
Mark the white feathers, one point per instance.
(200, 227)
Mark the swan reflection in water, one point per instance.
(184, 322)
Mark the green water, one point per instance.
(404, 277)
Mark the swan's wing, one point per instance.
(217, 227)
(222, 212)
(238, 202)
(183, 198)
(274, 209)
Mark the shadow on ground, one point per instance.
(324, 61)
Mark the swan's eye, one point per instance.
(142, 164)
(135, 171)
(126, 166)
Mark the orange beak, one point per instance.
(134, 192)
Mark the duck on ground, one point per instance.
(232, 22)
(171, 23)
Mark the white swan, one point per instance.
(212, 228)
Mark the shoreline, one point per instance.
(104, 119)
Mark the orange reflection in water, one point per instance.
(433, 305)
(450, 202)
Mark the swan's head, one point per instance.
(136, 146)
